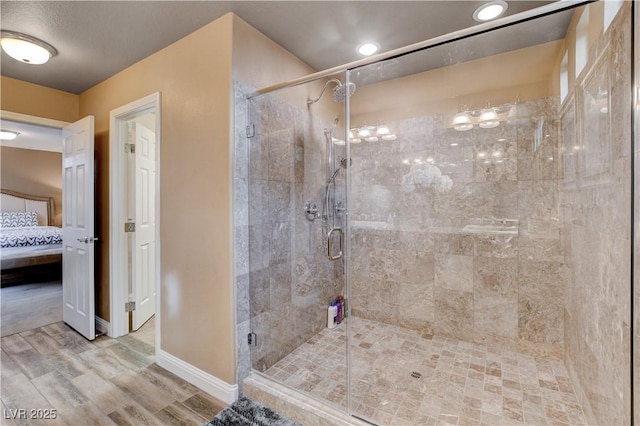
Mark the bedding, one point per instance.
(30, 236)
(18, 219)
(30, 246)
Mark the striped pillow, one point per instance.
(18, 219)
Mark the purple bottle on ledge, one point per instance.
(339, 306)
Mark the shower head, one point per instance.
(340, 92)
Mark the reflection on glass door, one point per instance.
(483, 265)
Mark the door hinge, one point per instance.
(251, 131)
(129, 227)
(129, 306)
(251, 339)
(129, 148)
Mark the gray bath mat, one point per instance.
(245, 412)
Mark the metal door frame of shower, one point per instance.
(635, 134)
(486, 27)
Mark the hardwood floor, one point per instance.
(53, 370)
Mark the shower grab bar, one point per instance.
(330, 243)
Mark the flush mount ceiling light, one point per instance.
(25, 48)
(8, 135)
(489, 11)
(367, 49)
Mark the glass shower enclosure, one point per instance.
(445, 236)
(297, 245)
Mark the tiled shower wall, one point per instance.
(284, 281)
(597, 216)
(415, 264)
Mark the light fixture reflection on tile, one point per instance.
(488, 119)
(518, 112)
(462, 122)
(371, 134)
(383, 130)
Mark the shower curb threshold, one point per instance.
(294, 405)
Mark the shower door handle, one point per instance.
(330, 243)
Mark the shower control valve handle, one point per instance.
(311, 211)
(340, 209)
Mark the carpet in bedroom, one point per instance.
(28, 306)
(245, 412)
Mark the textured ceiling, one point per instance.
(97, 39)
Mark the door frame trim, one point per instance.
(118, 280)
(33, 119)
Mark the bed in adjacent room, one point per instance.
(30, 246)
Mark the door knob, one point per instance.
(87, 240)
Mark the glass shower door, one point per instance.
(478, 263)
(296, 240)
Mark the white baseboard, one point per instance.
(205, 381)
(103, 326)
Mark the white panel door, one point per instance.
(144, 237)
(78, 227)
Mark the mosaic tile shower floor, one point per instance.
(402, 378)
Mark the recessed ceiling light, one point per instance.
(368, 49)
(25, 48)
(489, 11)
(8, 135)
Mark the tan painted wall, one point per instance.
(260, 62)
(193, 76)
(446, 89)
(39, 101)
(33, 172)
(32, 99)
